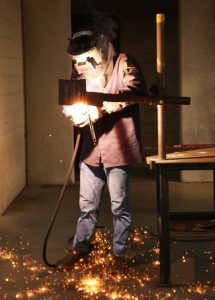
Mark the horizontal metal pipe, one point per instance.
(73, 91)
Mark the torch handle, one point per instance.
(92, 130)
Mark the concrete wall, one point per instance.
(197, 47)
(12, 125)
(47, 26)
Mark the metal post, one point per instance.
(162, 181)
(161, 132)
(214, 187)
(160, 18)
(163, 225)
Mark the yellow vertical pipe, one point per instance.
(160, 19)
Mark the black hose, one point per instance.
(59, 201)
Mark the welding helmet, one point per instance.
(81, 42)
(89, 51)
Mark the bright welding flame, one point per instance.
(80, 113)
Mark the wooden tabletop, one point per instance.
(202, 155)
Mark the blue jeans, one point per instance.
(92, 181)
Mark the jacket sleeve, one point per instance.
(133, 83)
(133, 79)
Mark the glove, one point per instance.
(111, 107)
(79, 113)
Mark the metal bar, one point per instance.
(72, 91)
(192, 215)
(161, 132)
(214, 187)
(160, 18)
(134, 98)
(92, 130)
(163, 225)
(198, 165)
(163, 193)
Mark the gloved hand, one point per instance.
(79, 113)
(111, 107)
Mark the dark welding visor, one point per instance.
(82, 42)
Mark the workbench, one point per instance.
(194, 159)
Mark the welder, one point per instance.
(116, 127)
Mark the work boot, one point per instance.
(69, 261)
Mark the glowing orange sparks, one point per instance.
(91, 285)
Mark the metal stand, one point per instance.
(162, 168)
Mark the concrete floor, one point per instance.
(23, 226)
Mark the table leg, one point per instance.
(214, 187)
(163, 225)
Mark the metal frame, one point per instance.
(163, 213)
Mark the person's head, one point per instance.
(89, 52)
